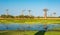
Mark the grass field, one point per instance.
(31, 21)
(28, 33)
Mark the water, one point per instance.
(18, 26)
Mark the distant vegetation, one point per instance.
(27, 19)
(22, 16)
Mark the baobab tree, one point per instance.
(22, 13)
(29, 12)
(7, 12)
(45, 13)
(54, 14)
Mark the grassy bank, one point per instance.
(28, 33)
(31, 21)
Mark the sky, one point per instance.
(36, 6)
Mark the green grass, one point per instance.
(28, 33)
(31, 21)
(52, 33)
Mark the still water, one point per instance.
(18, 26)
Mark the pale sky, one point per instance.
(36, 6)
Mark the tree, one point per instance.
(21, 16)
(7, 16)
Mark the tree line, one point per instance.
(20, 16)
(23, 16)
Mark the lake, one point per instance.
(18, 26)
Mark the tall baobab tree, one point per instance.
(22, 13)
(29, 12)
(54, 14)
(45, 13)
(7, 12)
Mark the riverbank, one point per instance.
(28, 33)
(31, 21)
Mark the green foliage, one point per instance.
(7, 16)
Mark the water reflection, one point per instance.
(17, 26)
